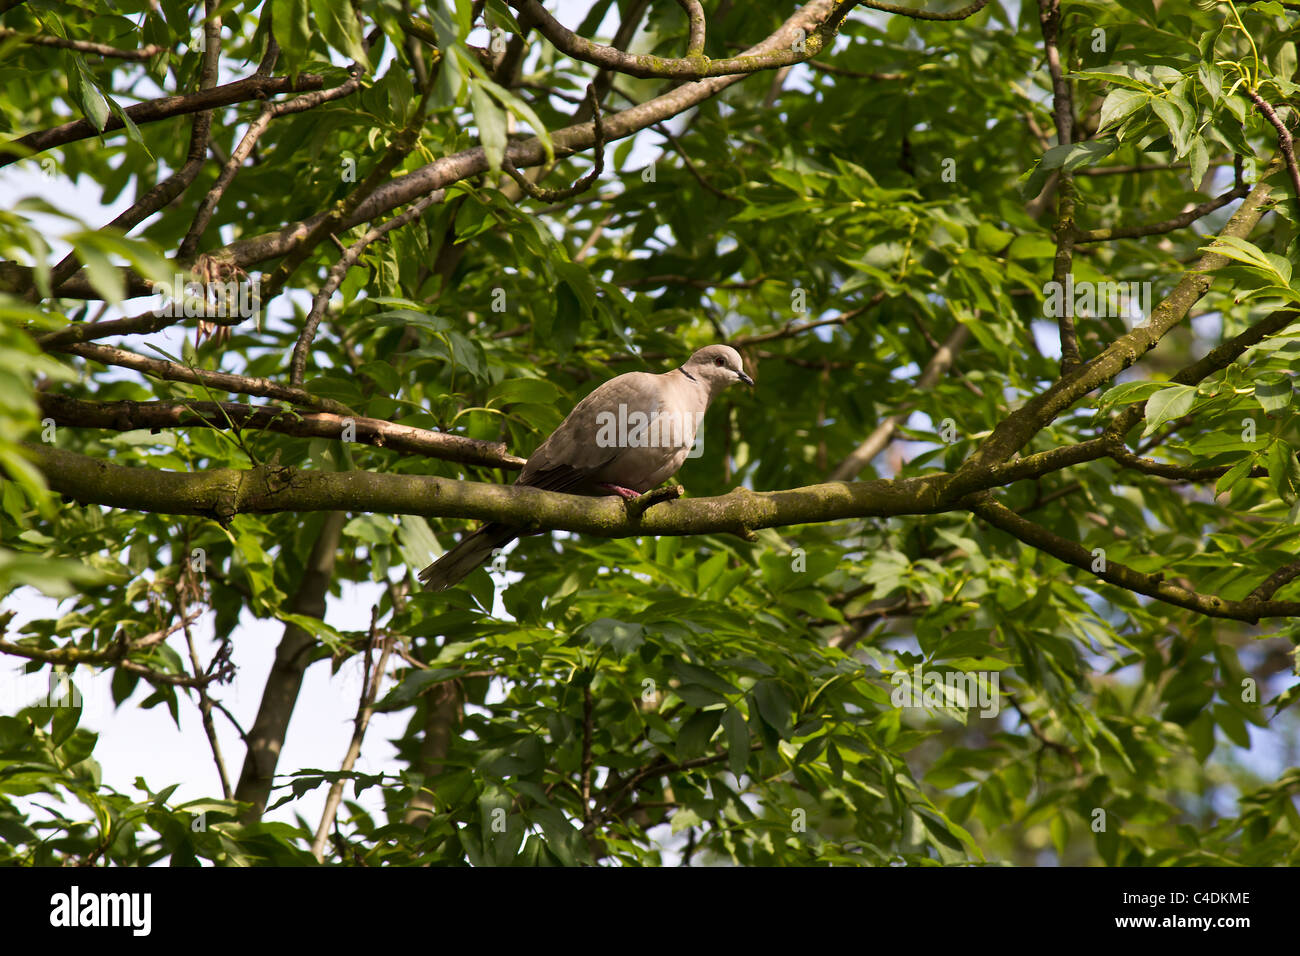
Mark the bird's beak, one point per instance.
(745, 378)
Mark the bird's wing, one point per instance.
(578, 451)
(599, 440)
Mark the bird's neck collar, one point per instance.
(682, 369)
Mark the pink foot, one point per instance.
(619, 490)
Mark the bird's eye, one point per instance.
(718, 362)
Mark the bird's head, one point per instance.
(716, 367)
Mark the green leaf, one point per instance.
(1284, 61)
(1068, 156)
(1199, 160)
(1284, 471)
(773, 705)
(103, 275)
(1234, 474)
(1274, 391)
(1274, 267)
(1174, 121)
(86, 92)
(737, 731)
(1118, 104)
(1211, 78)
(491, 121)
(292, 31)
(508, 100)
(1175, 401)
(535, 391)
(696, 733)
(338, 22)
(1129, 392)
(683, 819)
(622, 637)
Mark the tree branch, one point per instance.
(337, 273)
(1284, 141)
(152, 321)
(222, 381)
(241, 91)
(912, 14)
(695, 13)
(1015, 431)
(292, 655)
(585, 182)
(689, 67)
(365, 710)
(1152, 585)
(223, 493)
(938, 365)
(83, 46)
(1180, 221)
(405, 439)
(443, 172)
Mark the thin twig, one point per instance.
(83, 46)
(337, 273)
(1284, 141)
(204, 701)
(586, 753)
(224, 381)
(1180, 221)
(546, 194)
(365, 710)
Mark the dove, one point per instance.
(630, 434)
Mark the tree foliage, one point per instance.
(1038, 603)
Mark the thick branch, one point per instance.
(1219, 357)
(224, 493)
(1049, 18)
(280, 695)
(1270, 585)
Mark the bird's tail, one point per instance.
(472, 551)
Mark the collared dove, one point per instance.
(623, 439)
